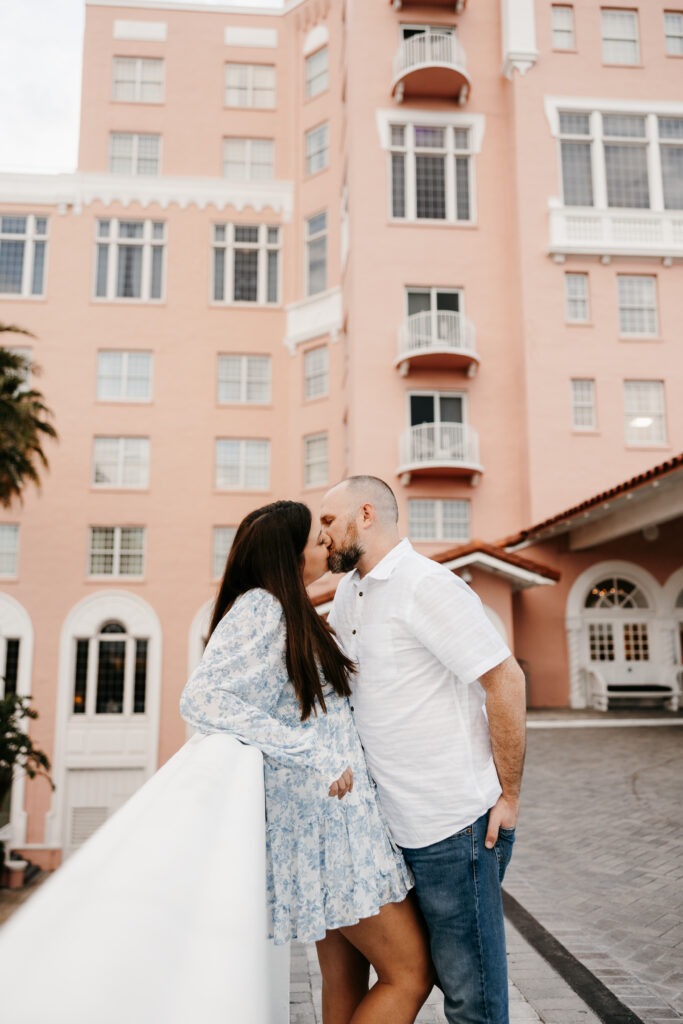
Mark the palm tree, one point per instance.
(24, 422)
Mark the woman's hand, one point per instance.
(343, 785)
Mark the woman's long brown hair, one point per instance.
(267, 552)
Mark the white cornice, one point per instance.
(519, 578)
(170, 5)
(437, 118)
(78, 190)
(314, 317)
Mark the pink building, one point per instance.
(437, 242)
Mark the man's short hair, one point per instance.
(377, 493)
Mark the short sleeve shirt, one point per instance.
(421, 639)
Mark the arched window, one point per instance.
(615, 592)
(110, 673)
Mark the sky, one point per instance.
(40, 81)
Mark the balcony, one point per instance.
(458, 6)
(431, 65)
(439, 449)
(612, 232)
(437, 339)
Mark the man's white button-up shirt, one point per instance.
(421, 639)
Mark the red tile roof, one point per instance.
(650, 475)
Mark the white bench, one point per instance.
(666, 687)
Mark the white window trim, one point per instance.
(116, 575)
(432, 290)
(138, 79)
(641, 443)
(574, 321)
(307, 239)
(241, 488)
(620, 64)
(307, 377)
(250, 84)
(244, 378)
(639, 334)
(134, 173)
(563, 49)
(118, 485)
(249, 140)
(667, 36)
(424, 392)
(596, 108)
(438, 521)
(307, 81)
(125, 352)
(13, 575)
(29, 238)
(325, 149)
(308, 462)
(428, 30)
(147, 242)
(585, 428)
(229, 245)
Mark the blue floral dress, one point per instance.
(330, 862)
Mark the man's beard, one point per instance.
(346, 558)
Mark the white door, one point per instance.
(618, 632)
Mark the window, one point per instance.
(121, 462)
(316, 73)
(116, 551)
(316, 149)
(644, 412)
(138, 80)
(316, 254)
(250, 85)
(673, 29)
(134, 154)
(130, 259)
(316, 372)
(24, 374)
(9, 673)
(110, 673)
(434, 407)
(242, 465)
(577, 173)
(9, 549)
(315, 460)
(431, 173)
(583, 404)
(223, 537)
(430, 519)
(23, 245)
(246, 263)
(637, 305)
(248, 159)
(124, 376)
(429, 31)
(576, 298)
(244, 379)
(619, 36)
(670, 130)
(622, 150)
(563, 27)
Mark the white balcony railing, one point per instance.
(439, 446)
(435, 331)
(612, 232)
(429, 50)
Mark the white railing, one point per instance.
(616, 232)
(449, 444)
(428, 48)
(436, 330)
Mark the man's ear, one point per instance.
(368, 514)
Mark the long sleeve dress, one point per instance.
(329, 862)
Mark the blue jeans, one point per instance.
(457, 883)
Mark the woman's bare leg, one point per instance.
(345, 974)
(395, 942)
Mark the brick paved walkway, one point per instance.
(599, 856)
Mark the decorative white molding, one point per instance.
(554, 104)
(145, 31)
(518, 577)
(238, 35)
(411, 115)
(316, 39)
(81, 189)
(518, 36)
(84, 620)
(314, 317)
(612, 232)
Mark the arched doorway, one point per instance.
(108, 712)
(612, 627)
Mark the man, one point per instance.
(439, 703)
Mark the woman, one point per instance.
(273, 676)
